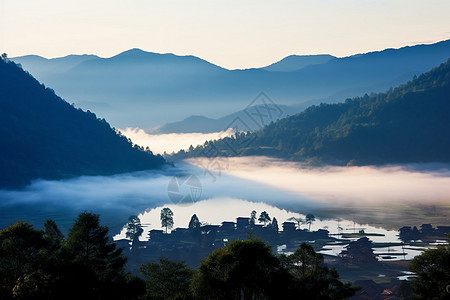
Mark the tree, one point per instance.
(134, 228)
(96, 265)
(298, 220)
(312, 279)
(433, 270)
(275, 224)
(194, 223)
(166, 218)
(252, 217)
(167, 279)
(359, 251)
(37, 264)
(264, 218)
(52, 234)
(242, 270)
(309, 219)
(21, 259)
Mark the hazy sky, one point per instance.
(230, 33)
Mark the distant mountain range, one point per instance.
(208, 125)
(44, 137)
(408, 124)
(144, 89)
(297, 62)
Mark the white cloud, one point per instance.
(171, 142)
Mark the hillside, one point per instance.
(45, 137)
(207, 125)
(297, 62)
(406, 124)
(144, 89)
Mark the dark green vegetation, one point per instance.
(433, 270)
(167, 279)
(248, 270)
(45, 137)
(406, 124)
(42, 264)
(37, 264)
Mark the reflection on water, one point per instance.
(283, 189)
(217, 210)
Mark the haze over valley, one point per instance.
(224, 150)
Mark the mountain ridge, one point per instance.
(403, 125)
(44, 137)
(146, 95)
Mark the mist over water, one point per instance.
(284, 185)
(361, 185)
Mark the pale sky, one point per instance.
(229, 33)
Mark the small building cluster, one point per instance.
(194, 244)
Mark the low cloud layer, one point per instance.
(362, 185)
(170, 142)
(285, 185)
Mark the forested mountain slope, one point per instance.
(42, 136)
(408, 124)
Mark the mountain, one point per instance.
(45, 137)
(144, 89)
(209, 125)
(297, 62)
(406, 124)
(45, 67)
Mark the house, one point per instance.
(288, 226)
(242, 223)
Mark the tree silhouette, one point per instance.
(20, 261)
(252, 217)
(88, 243)
(134, 228)
(313, 279)
(433, 270)
(264, 218)
(275, 224)
(241, 270)
(52, 234)
(194, 223)
(298, 220)
(166, 218)
(167, 279)
(96, 267)
(309, 219)
(359, 251)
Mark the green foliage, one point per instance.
(167, 280)
(249, 270)
(96, 261)
(45, 137)
(88, 244)
(313, 280)
(166, 218)
(21, 261)
(241, 270)
(264, 218)
(37, 264)
(433, 270)
(406, 124)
